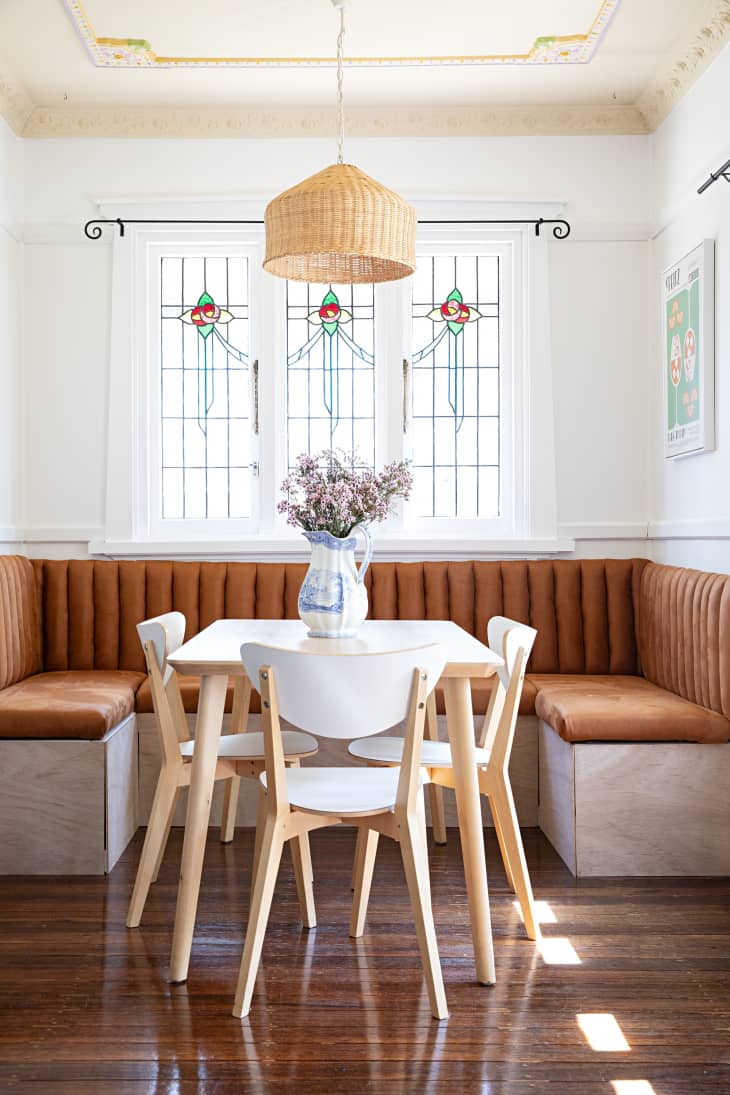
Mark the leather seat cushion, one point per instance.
(76, 704)
(190, 692)
(619, 708)
(481, 692)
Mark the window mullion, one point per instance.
(392, 346)
(271, 342)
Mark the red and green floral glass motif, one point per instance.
(454, 314)
(205, 315)
(208, 317)
(329, 314)
(328, 320)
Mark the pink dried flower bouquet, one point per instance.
(327, 492)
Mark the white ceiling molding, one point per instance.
(548, 49)
(673, 81)
(46, 76)
(15, 104)
(361, 122)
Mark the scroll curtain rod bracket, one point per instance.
(721, 173)
(93, 229)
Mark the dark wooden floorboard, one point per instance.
(85, 1006)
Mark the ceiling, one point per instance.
(182, 68)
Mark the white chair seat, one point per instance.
(251, 745)
(343, 791)
(434, 754)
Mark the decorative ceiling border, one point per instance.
(16, 106)
(146, 122)
(673, 81)
(574, 49)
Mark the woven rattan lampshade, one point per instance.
(340, 226)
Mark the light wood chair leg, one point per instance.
(360, 844)
(435, 793)
(163, 843)
(421, 815)
(438, 818)
(272, 842)
(154, 841)
(365, 852)
(415, 863)
(359, 851)
(504, 852)
(306, 854)
(260, 820)
(230, 805)
(302, 861)
(505, 816)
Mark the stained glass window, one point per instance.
(330, 369)
(455, 386)
(205, 443)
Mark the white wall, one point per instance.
(10, 331)
(598, 288)
(690, 497)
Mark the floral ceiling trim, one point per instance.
(573, 49)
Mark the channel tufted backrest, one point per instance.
(582, 610)
(684, 633)
(20, 636)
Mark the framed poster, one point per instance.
(688, 322)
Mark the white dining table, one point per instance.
(214, 655)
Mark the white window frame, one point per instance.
(470, 240)
(527, 523)
(150, 409)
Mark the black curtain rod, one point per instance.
(721, 173)
(93, 229)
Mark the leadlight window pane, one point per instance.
(204, 349)
(455, 389)
(331, 369)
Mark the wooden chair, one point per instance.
(337, 696)
(239, 754)
(513, 642)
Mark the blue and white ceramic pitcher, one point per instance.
(333, 600)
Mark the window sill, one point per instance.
(293, 549)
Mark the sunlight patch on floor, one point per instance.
(632, 1087)
(603, 1033)
(558, 951)
(543, 913)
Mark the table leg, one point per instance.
(202, 780)
(460, 722)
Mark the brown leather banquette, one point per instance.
(626, 650)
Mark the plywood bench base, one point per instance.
(636, 808)
(67, 807)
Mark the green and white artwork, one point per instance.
(688, 324)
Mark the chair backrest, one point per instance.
(513, 642)
(505, 637)
(344, 695)
(161, 636)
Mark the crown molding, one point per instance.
(147, 122)
(16, 106)
(668, 86)
(672, 82)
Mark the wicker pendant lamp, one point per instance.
(340, 226)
